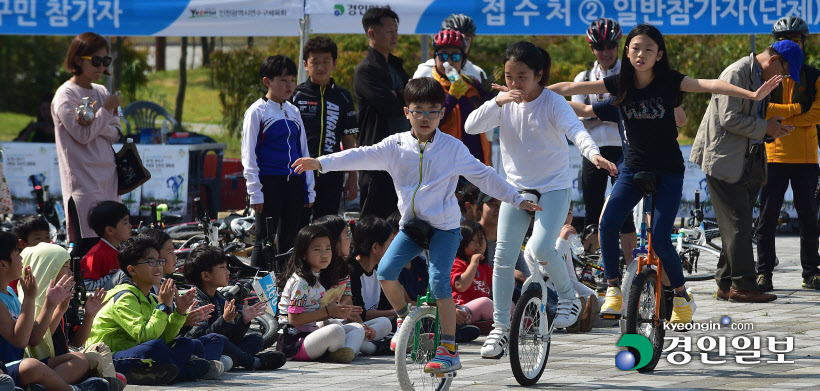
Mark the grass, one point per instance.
(11, 124)
(201, 99)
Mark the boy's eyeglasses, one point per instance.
(604, 45)
(154, 262)
(444, 56)
(418, 114)
(97, 60)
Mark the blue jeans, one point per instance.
(625, 195)
(512, 226)
(243, 352)
(178, 352)
(443, 247)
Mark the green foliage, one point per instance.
(31, 66)
(135, 69)
(236, 76)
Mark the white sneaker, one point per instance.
(567, 312)
(496, 344)
(227, 362)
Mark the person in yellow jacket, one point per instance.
(792, 158)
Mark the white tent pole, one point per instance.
(303, 37)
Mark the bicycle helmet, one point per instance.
(449, 38)
(790, 24)
(604, 30)
(459, 22)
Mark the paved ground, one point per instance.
(586, 361)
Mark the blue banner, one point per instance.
(151, 17)
(572, 17)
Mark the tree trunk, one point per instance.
(159, 53)
(116, 68)
(183, 81)
(206, 51)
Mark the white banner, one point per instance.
(168, 165)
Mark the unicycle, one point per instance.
(646, 309)
(531, 330)
(418, 339)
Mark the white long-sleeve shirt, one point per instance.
(425, 182)
(605, 134)
(534, 151)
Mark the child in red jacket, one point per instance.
(472, 276)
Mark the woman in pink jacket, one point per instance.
(87, 171)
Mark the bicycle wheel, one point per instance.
(419, 327)
(699, 262)
(268, 326)
(529, 350)
(641, 310)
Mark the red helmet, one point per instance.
(449, 37)
(604, 30)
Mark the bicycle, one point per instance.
(694, 245)
(646, 310)
(531, 331)
(418, 339)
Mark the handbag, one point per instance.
(131, 174)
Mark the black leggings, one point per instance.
(284, 201)
(81, 245)
(593, 185)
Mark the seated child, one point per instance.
(371, 239)
(300, 304)
(31, 231)
(109, 219)
(207, 269)
(50, 262)
(19, 328)
(472, 276)
(141, 329)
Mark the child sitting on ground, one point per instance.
(31, 231)
(109, 219)
(207, 269)
(300, 305)
(50, 262)
(370, 241)
(142, 330)
(472, 276)
(19, 329)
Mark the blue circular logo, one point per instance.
(625, 360)
(725, 320)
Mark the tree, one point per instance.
(183, 81)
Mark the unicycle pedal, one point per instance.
(444, 375)
(610, 316)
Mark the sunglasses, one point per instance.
(154, 262)
(604, 45)
(444, 56)
(795, 39)
(97, 60)
(418, 114)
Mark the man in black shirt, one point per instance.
(378, 83)
(330, 122)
